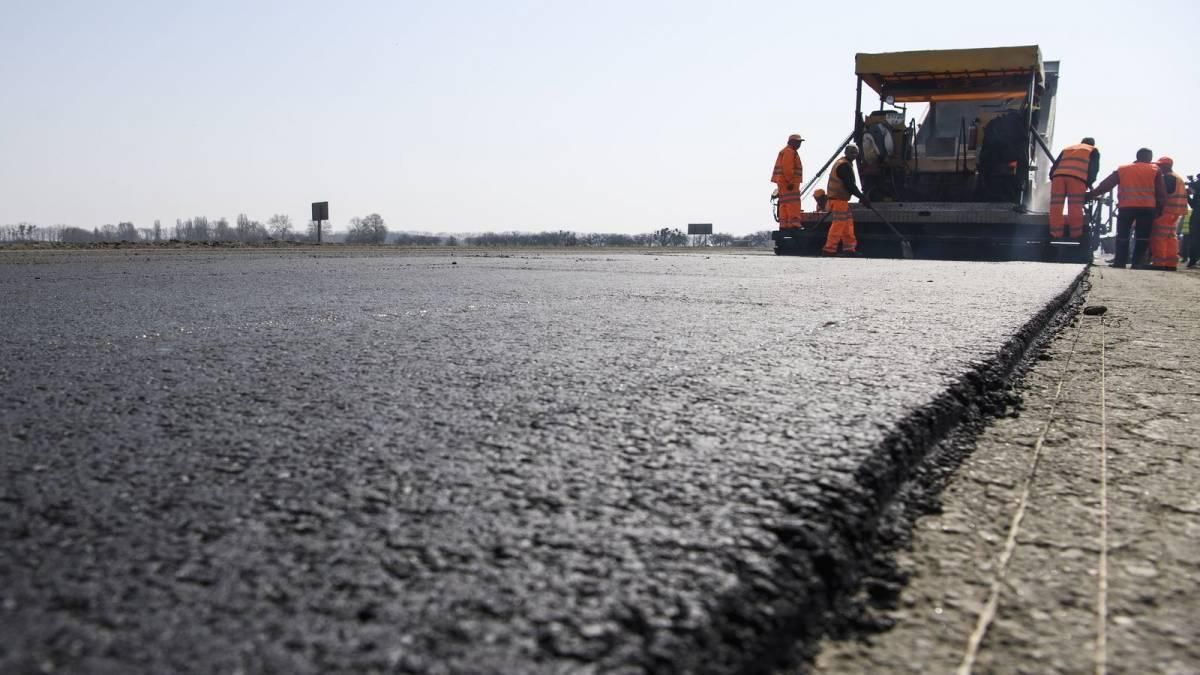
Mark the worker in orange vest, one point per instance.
(787, 175)
(1071, 175)
(839, 189)
(1141, 199)
(1164, 241)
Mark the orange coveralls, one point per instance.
(841, 225)
(1068, 184)
(1164, 243)
(787, 175)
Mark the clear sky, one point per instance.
(454, 116)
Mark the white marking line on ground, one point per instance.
(988, 613)
(1102, 573)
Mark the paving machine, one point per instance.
(971, 181)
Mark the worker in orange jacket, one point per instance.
(838, 191)
(1140, 200)
(787, 176)
(1164, 242)
(1071, 175)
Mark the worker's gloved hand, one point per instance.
(790, 187)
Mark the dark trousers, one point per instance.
(1140, 221)
(1193, 252)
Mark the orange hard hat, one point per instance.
(1165, 161)
(818, 193)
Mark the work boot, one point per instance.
(1191, 264)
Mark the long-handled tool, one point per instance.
(813, 181)
(905, 246)
(821, 220)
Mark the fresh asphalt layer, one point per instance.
(313, 462)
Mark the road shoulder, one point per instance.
(1067, 541)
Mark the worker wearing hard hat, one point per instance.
(839, 190)
(1141, 199)
(1164, 241)
(787, 176)
(821, 199)
(1073, 172)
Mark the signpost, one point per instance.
(320, 212)
(701, 230)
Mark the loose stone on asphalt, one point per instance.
(529, 463)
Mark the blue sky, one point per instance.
(470, 116)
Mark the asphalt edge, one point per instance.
(826, 574)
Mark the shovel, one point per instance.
(905, 246)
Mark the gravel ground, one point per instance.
(1103, 574)
(313, 462)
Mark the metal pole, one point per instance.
(1038, 137)
(318, 233)
(808, 186)
(858, 125)
(1028, 125)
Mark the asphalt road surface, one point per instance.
(298, 462)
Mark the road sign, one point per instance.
(320, 211)
(699, 228)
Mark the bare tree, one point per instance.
(76, 235)
(222, 231)
(762, 238)
(126, 232)
(201, 229)
(20, 232)
(670, 237)
(280, 226)
(157, 231)
(368, 230)
(250, 230)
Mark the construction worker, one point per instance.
(1164, 241)
(1071, 175)
(1140, 200)
(838, 191)
(1193, 249)
(821, 199)
(787, 176)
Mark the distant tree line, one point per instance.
(369, 229)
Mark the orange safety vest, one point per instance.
(1137, 185)
(836, 189)
(1177, 201)
(1074, 161)
(788, 168)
